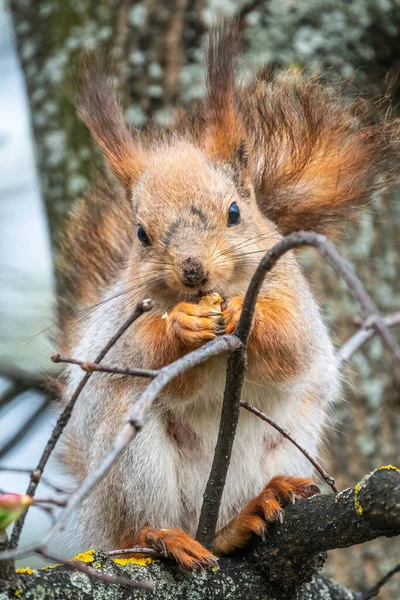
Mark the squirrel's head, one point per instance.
(196, 227)
(190, 191)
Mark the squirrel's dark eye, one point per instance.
(233, 215)
(143, 237)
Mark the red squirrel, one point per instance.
(189, 212)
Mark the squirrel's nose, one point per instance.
(192, 272)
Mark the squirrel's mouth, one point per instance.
(202, 293)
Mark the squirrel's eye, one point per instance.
(233, 215)
(143, 237)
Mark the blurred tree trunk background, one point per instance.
(156, 46)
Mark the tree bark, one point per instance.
(284, 566)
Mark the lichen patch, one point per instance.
(25, 570)
(133, 561)
(85, 557)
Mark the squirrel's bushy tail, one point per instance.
(315, 155)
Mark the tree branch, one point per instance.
(90, 367)
(366, 332)
(374, 591)
(63, 419)
(272, 569)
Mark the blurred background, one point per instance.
(47, 160)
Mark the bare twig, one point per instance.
(56, 501)
(367, 331)
(325, 476)
(63, 419)
(235, 373)
(35, 476)
(90, 572)
(374, 591)
(134, 421)
(328, 250)
(91, 367)
(134, 550)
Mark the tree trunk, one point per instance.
(156, 46)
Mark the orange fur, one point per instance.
(276, 345)
(189, 554)
(167, 339)
(264, 509)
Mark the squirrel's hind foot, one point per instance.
(180, 546)
(265, 508)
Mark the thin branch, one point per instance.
(134, 422)
(92, 366)
(90, 572)
(328, 250)
(55, 501)
(35, 476)
(367, 331)
(63, 419)
(134, 550)
(236, 364)
(325, 476)
(374, 591)
(235, 373)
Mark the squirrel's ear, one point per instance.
(225, 136)
(100, 110)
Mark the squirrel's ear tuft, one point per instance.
(225, 135)
(100, 110)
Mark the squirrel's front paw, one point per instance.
(194, 324)
(231, 313)
(176, 544)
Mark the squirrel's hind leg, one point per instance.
(260, 511)
(178, 545)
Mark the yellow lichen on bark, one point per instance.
(25, 570)
(357, 503)
(85, 557)
(133, 561)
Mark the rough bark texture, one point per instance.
(282, 567)
(336, 37)
(236, 582)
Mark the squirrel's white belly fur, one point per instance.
(170, 459)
